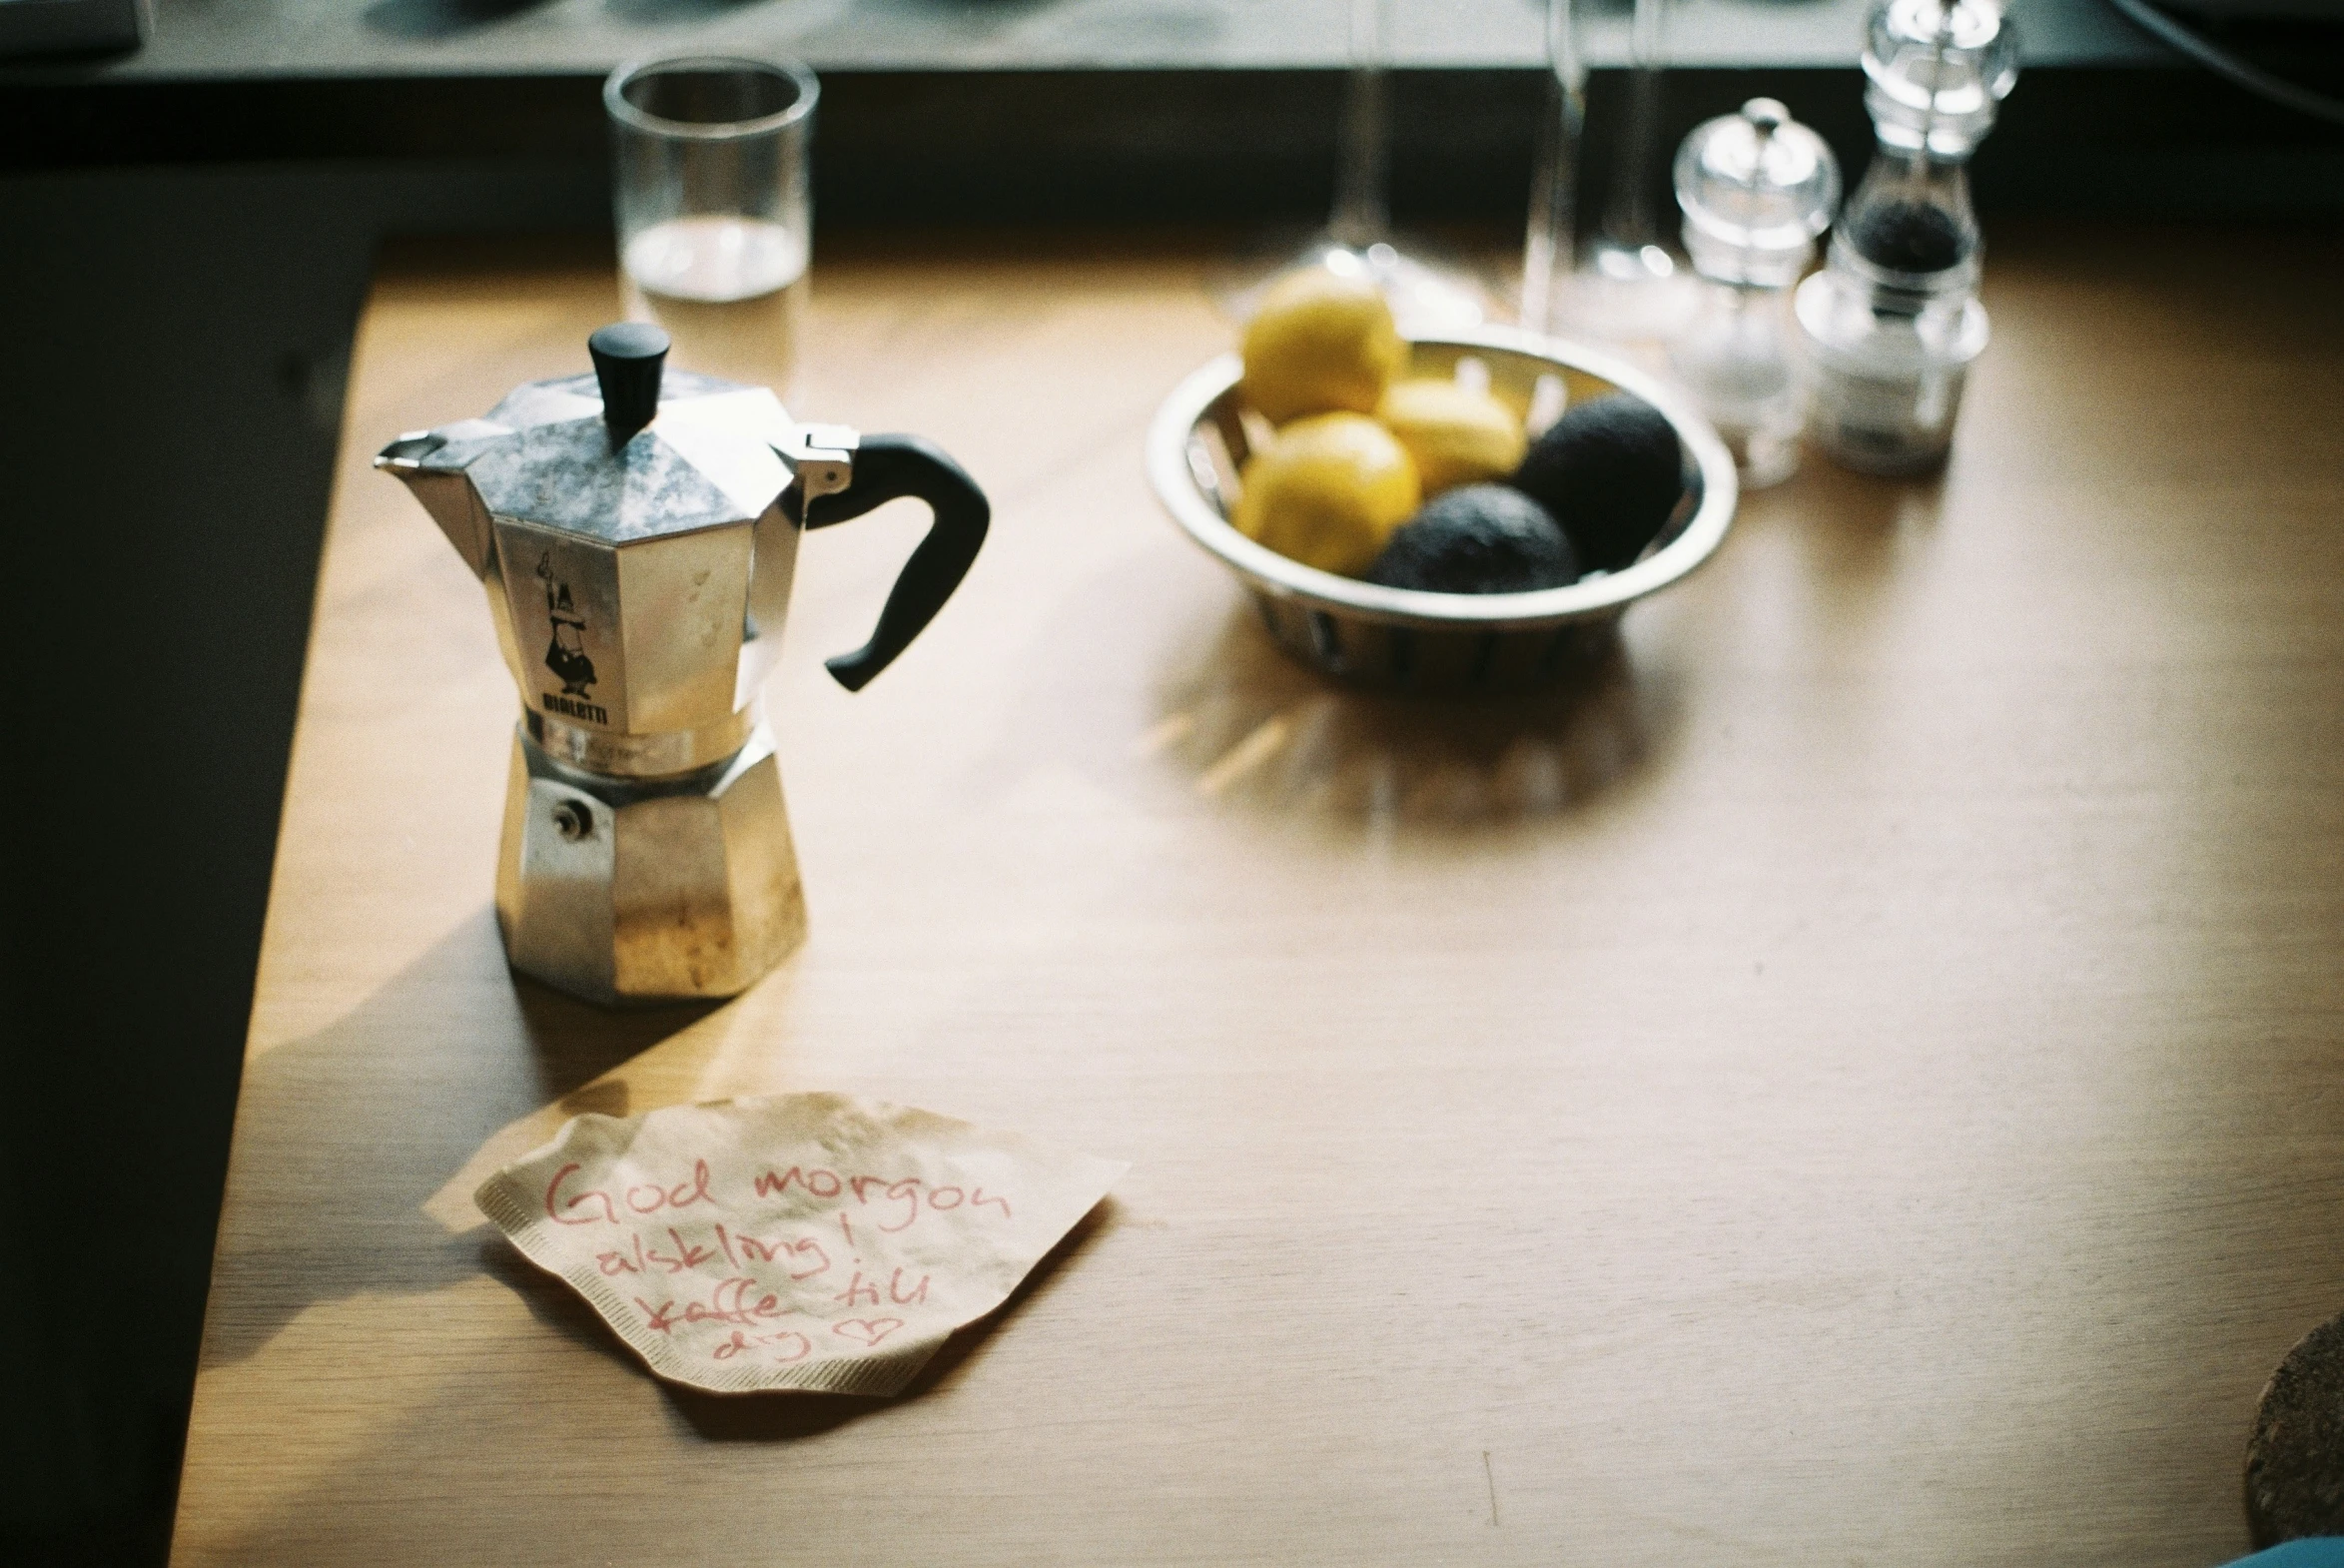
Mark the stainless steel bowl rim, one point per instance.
(1168, 469)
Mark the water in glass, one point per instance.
(730, 290)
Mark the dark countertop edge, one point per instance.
(97, 75)
(1189, 143)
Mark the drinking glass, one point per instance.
(1550, 251)
(716, 220)
(1426, 292)
(1427, 289)
(1613, 276)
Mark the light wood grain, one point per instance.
(1855, 1080)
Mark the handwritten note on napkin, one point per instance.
(807, 1242)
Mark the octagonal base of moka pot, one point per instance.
(646, 890)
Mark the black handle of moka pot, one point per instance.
(886, 468)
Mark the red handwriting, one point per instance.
(739, 1314)
(643, 1199)
(870, 1331)
(640, 1259)
(856, 1292)
(730, 1303)
(910, 1192)
(556, 1214)
(820, 1183)
(782, 1251)
(794, 1346)
(684, 1256)
(901, 1200)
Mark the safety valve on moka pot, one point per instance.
(637, 532)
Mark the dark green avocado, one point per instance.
(1478, 538)
(1610, 471)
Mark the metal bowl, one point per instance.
(1375, 635)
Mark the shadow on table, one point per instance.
(572, 1043)
(1850, 524)
(374, 1122)
(1249, 727)
(410, 1454)
(1253, 728)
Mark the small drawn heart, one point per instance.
(868, 1329)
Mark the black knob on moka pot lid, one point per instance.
(629, 359)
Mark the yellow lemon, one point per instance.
(1328, 491)
(1455, 435)
(1320, 342)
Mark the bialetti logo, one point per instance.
(566, 652)
(571, 707)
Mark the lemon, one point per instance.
(1320, 342)
(1328, 491)
(1455, 435)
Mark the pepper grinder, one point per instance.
(1890, 327)
(1757, 187)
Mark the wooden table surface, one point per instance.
(1858, 1079)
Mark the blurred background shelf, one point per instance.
(203, 40)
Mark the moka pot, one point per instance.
(636, 531)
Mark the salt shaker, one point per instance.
(1757, 187)
(1890, 327)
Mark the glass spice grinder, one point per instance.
(1892, 323)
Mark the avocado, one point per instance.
(1478, 538)
(1610, 471)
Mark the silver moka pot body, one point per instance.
(637, 531)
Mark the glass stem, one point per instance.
(1629, 221)
(1360, 217)
(1549, 250)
